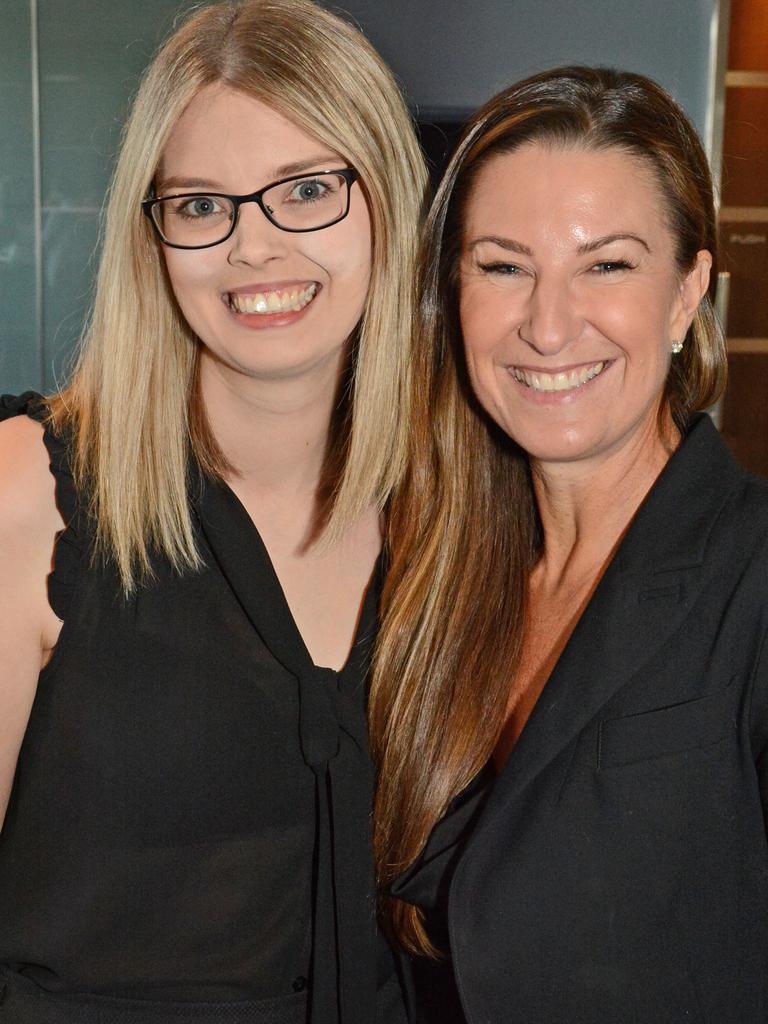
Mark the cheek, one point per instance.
(188, 273)
(636, 322)
(361, 270)
(487, 319)
(193, 283)
(353, 246)
(480, 338)
(344, 259)
(353, 281)
(359, 257)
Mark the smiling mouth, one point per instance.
(566, 380)
(282, 300)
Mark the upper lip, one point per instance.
(553, 370)
(271, 286)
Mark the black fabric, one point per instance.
(22, 1002)
(618, 868)
(190, 817)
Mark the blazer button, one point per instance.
(299, 984)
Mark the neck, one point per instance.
(274, 432)
(586, 507)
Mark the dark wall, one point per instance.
(455, 54)
(69, 67)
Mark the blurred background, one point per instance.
(68, 69)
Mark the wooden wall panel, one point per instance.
(744, 252)
(745, 147)
(745, 410)
(748, 43)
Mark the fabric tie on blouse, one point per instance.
(332, 735)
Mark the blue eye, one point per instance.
(309, 191)
(198, 207)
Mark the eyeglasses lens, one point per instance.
(304, 204)
(307, 203)
(194, 220)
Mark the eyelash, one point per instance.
(500, 268)
(601, 268)
(612, 266)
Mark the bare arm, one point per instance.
(29, 521)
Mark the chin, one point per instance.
(557, 446)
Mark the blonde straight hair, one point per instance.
(132, 407)
(464, 529)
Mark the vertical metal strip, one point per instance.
(719, 31)
(37, 178)
(718, 60)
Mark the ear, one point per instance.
(692, 290)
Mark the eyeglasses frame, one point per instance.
(349, 174)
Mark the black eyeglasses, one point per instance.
(303, 202)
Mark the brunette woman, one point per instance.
(578, 603)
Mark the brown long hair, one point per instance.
(464, 531)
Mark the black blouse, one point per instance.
(190, 818)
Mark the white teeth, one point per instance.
(273, 302)
(564, 381)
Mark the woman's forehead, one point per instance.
(574, 190)
(224, 131)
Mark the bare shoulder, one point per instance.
(29, 522)
(27, 487)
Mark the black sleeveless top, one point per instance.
(189, 826)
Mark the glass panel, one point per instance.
(89, 68)
(69, 246)
(19, 356)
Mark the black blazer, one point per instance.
(617, 871)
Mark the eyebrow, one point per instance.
(505, 243)
(598, 243)
(164, 184)
(511, 245)
(323, 160)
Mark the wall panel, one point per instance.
(449, 55)
(19, 345)
(455, 55)
(89, 68)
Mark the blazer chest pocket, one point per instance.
(659, 732)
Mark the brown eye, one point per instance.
(504, 269)
(612, 266)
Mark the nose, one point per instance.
(551, 319)
(255, 241)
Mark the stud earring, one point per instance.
(677, 346)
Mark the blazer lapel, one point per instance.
(640, 602)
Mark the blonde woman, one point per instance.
(189, 542)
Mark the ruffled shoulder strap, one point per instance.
(72, 541)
